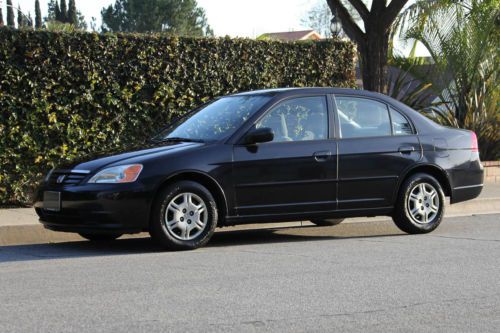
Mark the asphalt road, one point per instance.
(352, 277)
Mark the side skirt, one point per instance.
(290, 217)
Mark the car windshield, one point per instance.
(214, 121)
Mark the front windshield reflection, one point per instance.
(215, 121)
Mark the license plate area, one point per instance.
(52, 201)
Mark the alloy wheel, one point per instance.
(186, 216)
(423, 203)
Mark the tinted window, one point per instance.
(360, 117)
(298, 119)
(400, 125)
(216, 120)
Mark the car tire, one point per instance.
(184, 216)
(100, 237)
(420, 206)
(326, 222)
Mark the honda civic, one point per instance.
(318, 154)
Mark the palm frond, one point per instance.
(462, 39)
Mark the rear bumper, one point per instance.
(97, 208)
(464, 193)
(467, 183)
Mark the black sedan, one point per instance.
(321, 154)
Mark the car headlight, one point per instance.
(118, 174)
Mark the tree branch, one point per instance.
(393, 9)
(350, 27)
(377, 6)
(361, 8)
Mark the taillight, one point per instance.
(474, 146)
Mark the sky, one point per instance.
(236, 18)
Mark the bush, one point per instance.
(65, 95)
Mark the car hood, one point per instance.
(96, 161)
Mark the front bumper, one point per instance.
(97, 208)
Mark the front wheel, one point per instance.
(184, 216)
(420, 206)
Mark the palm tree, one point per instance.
(462, 38)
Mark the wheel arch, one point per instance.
(430, 169)
(202, 178)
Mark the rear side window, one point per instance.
(361, 117)
(400, 125)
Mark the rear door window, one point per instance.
(362, 117)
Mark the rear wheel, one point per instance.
(327, 222)
(100, 237)
(420, 206)
(184, 216)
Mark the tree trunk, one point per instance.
(374, 61)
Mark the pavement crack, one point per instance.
(277, 253)
(380, 241)
(468, 238)
(263, 322)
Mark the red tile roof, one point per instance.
(292, 35)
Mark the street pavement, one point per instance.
(351, 277)
(20, 225)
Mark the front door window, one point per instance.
(298, 119)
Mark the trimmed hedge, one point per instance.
(64, 95)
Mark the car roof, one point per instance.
(290, 92)
(310, 90)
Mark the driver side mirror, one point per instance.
(259, 135)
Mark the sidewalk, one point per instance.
(21, 226)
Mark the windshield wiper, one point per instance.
(178, 139)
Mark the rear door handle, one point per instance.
(406, 149)
(321, 156)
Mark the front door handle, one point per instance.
(321, 156)
(406, 149)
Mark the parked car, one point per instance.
(319, 154)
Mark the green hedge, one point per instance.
(63, 95)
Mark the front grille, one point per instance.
(60, 177)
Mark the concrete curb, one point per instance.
(20, 226)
